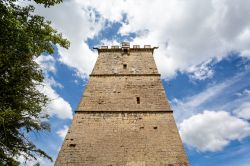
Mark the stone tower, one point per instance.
(124, 118)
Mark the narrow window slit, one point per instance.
(138, 100)
(124, 66)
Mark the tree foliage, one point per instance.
(23, 37)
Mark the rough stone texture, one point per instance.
(123, 117)
(138, 62)
(122, 139)
(112, 93)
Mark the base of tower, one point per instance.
(122, 138)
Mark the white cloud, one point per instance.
(77, 22)
(243, 111)
(47, 63)
(202, 71)
(193, 104)
(245, 92)
(196, 31)
(188, 33)
(62, 133)
(215, 97)
(212, 131)
(32, 162)
(51, 81)
(57, 105)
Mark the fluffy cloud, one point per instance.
(186, 107)
(189, 33)
(52, 82)
(212, 131)
(47, 63)
(216, 96)
(57, 106)
(77, 22)
(62, 133)
(245, 92)
(201, 72)
(243, 111)
(31, 161)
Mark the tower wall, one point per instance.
(124, 117)
(137, 61)
(122, 139)
(119, 93)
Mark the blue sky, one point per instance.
(203, 58)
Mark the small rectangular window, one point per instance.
(72, 145)
(138, 100)
(124, 66)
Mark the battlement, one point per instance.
(125, 46)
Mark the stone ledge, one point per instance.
(124, 112)
(114, 75)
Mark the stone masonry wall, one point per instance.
(124, 118)
(113, 93)
(122, 139)
(137, 63)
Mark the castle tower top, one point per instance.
(125, 46)
(124, 74)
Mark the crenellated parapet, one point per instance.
(125, 47)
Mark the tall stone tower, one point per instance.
(124, 118)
